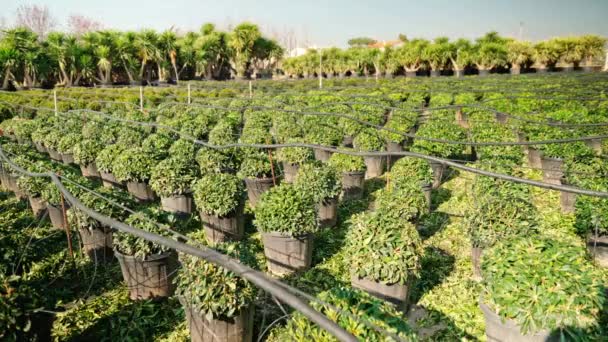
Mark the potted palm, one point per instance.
(461, 56)
(519, 54)
(105, 165)
(85, 153)
(147, 267)
(66, 145)
(287, 219)
(134, 166)
(292, 158)
(370, 141)
(353, 174)
(323, 182)
(222, 309)
(411, 55)
(384, 254)
(219, 200)
(354, 305)
(546, 55)
(592, 47)
(537, 288)
(257, 170)
(172, 179)
(437, 55)
(489, 55)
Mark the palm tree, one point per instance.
(148, 53)
(490, 52)
(266, 54)
(187, 52)
(519, 53)
(167, 45)
(389, 61)
(241, 41)
(546, 55)
(9, 60)
(410, 55)
(437, 54)
(212, 53)
(22, 52)
(461, 55)
(571, 51)
(126, 53)
(592, 47)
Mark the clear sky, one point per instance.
(333, 22)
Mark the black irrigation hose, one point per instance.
(371, 154)
(258, 278)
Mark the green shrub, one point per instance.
(294, 155)
(286, 209)
(439, 129)
(347, 163)
(212, 290)
(172, 176)
(218, 194)
(360, 306)
(105, 158)
(256, 164)
(183, 149)
(411, 170)
(405, 201)
(133, 165)
(67, 142)
(320, 180)
(51, 140)
(85, 151)
(384, 248)
(543, 284)
(131, 245)
(369, 140)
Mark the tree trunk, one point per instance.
(7, 78)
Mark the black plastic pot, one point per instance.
(552, 170)
(256, 187)
(499, 330)
(542, 70)
(476, 253)
(290, 171)
(568, 69)
(56, 216)
(149, 278)
(67, 158)
(352, 184)
(515, 71)
(347, 141)
(40, 147)
(598, 247)
(54, 155)
(374, 166)
(392, 146)
(38, 206)
(458, 73)
(596, 145)
(435, 73)
(141, 191)
(567, 199)
(427, 189)
(438, 171)
(322, 155)
(327, 212)
(588, 68)
(393, 293)
(97, 243)
(235, 329)
(410, 74)
(534, 157)
(178, 204)
(109, 181)
(90, 171)
(224, 228)
(501, 118)
(286, 254)
(484, 73)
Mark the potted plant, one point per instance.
(496, 218)
(51, 140)
(323, 182)
(65, 146)
(85, 153)
(410, 170)
(537, 288)
(590, 213)
(183, 149)
(172, 179)
(52, 196)
(353, 174)
(33, 187)
(370, 141)
(257, 171)
(140, 258)
(39, 137)
(218, 303)
(384, 254)
(292, 158)
(158, 144)
(219, 199)
(105, 165)
(519, 54)
(323, 135)
(134, 166)
(95, 237)
(287, 219)
(354, 305)
(215, 161)
(23, 130)
(403, 201)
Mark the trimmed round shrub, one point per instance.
(286, 209)
(172, 176)
(320, 180)
(218, 194)
(347, 163)
(133, 165)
